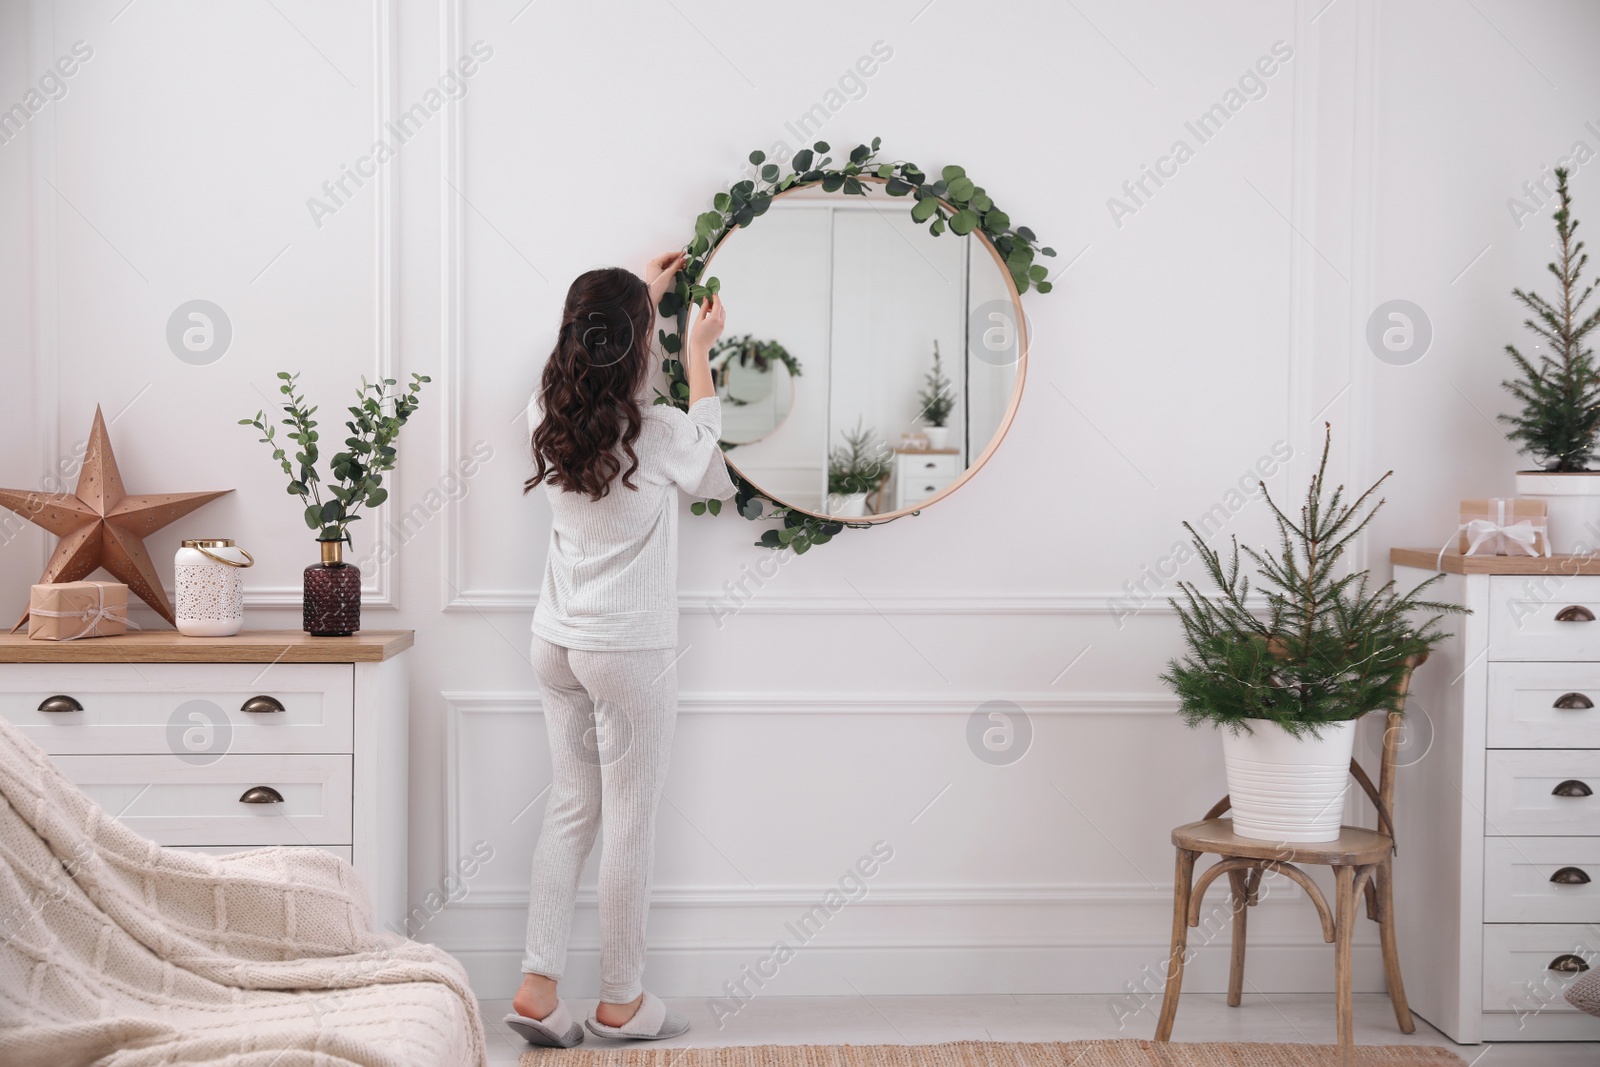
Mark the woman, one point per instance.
(606, 630)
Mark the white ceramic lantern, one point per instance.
(210, 582)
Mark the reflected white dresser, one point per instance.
(226, 743)
(920, 474)
(1497, 875)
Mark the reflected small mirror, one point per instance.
(913, 347)
(756, 380)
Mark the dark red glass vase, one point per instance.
(332, 600)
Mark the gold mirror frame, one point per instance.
(952, 201)
(1005, 420)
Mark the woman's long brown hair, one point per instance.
(588, 396)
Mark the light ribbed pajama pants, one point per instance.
(610, 717)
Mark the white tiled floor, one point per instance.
(927, 1020)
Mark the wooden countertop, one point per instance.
(169, 646)
(1453, 563)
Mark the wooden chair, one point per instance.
(1362, 865)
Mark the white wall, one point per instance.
(1183, 343)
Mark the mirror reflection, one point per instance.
(755, 380)
(910, 343)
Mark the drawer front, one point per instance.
(1542, 793)
(342, 851)
(1544, 618)
(917, 489)
(195, 710)
(177, 803)
(937, 467)
(1518, 975)
(1541, 880)
(1544, 705)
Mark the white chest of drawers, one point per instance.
(919, 475)
(218, 744)
(1498, 872)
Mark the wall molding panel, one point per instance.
(379, 592)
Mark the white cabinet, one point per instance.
(919, 475)
(221, 744)
(1498, 872)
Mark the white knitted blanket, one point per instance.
(115, 952)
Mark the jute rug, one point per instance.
(997, 1054)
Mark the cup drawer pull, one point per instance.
(1573, 702)
(1568, 964)
(261, 705)
(1572, 788)
(1575, 613)
(1570, 876)
(59, 704)
(261, 794)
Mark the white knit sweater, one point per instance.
(611, 574)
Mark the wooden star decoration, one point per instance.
(101, 525)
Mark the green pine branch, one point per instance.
(1559, 392)
(1324, 647)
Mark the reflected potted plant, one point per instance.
(855, 469)
(1560, 395)
(332, 587)
(938, 400)
(1290, 682)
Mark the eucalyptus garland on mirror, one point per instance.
(950, 202)
(748, 352)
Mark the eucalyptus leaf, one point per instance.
(952, 172)
(964, 221)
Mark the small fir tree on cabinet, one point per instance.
(1559, 389)
(938, 394)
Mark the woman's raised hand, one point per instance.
(708, 327)
(659, 272)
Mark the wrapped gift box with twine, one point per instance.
(67, 611)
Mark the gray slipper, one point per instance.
(556, 1030)
(652, 1022)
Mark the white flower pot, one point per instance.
(847, 505)
(938, 436)
(1287, 788)
(1572, 501)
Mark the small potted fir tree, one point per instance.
(1559, 390)
(1289, 683)
(938, 400)
(855, 469)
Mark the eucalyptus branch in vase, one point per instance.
(332, 600)
(357, 472)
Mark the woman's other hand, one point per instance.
(660, 271)
(708, 327)
(702, 335)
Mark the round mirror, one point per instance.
(913, 345)
(756, 381)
